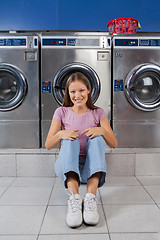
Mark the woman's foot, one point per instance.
(90, 213)
(74, 214)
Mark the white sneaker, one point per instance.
(74, 214)
(90, 214)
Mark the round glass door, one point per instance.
(13, 87)
(63, 74)
(142, 87)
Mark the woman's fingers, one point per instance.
(92, 132)
(86, 130)
(70, 134)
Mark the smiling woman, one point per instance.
(78, 93)
(84, 131)
(78, 85)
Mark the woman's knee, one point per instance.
(96, 145)
(70, 144)
(97, 140)
(69, 150)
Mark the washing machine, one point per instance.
(64, 53)
(136, 90)
(19, 91)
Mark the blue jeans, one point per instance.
(68, 159)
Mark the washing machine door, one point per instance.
(63, 74)
(142, 87)
(13, 87)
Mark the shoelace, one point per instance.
(74, 204)
(90, 203)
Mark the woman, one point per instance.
(84, 131)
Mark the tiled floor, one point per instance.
(35, 209)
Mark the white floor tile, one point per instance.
(149, 180)
(20, 237)
(58, 182)
(25, 196)
(33, 182)
(124, 195)
(6, 181)
(2, 189)
(73, 237)
(59, 196)
(130, 211)
(54, 223)
(132, 218)
(20, 220)
(135, 236)
(125, 181)
(154, 191)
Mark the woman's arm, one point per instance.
(105, 131)
(55, 134)
(108, 134)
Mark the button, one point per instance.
(103, 56)
(31, 56)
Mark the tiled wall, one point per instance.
(120, 162)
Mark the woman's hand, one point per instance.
(55, 134)
(105, 131)
(93, 132)
(69, 134)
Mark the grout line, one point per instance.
(135, 157)
(148, 193)
(7, 188)
(10, 185)
(71, 234)
(135, 233)
(102, 205)
(138, 180)
(45, 211)
(16, 165)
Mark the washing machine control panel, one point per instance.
(70, 42)
(126, 42)
(135, 42)
(81, 42)
(12, 42)
(54, 42)
(22, 42)
(149, 42)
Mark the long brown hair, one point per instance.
(72, 78)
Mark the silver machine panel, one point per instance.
(62, 54)
(136, 90)
(19, 91)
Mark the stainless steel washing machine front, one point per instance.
(136, 90)
(62, 54)
(19, 91)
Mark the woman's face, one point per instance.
(78, 93)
